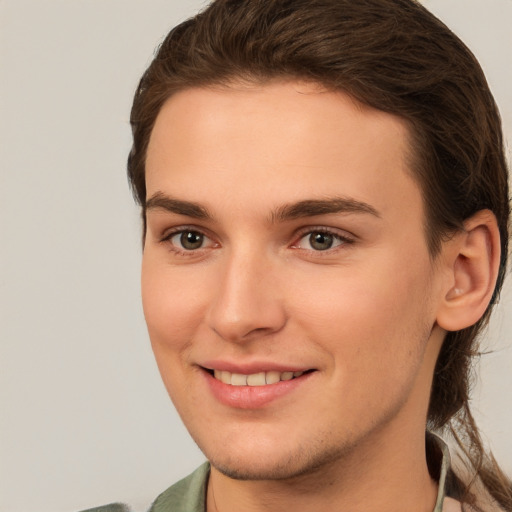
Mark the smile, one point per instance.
(254, 390)
(254, 379)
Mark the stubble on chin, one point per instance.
(291, 467)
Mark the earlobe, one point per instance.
(473, 257)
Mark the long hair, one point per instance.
(392, 55)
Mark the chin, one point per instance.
(240, 471)
(277, 466)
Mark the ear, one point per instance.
(472, 257)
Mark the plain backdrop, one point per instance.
(84, 419)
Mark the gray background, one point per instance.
(84, 419)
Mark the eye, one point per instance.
(321, 241)
(189, 240)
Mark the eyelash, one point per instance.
(167, 239)
(342, 240)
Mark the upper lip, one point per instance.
(250, 368)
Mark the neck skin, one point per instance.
(387, 472)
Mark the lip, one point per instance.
(251, 367)
(252, 397)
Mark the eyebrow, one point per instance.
(300, 209)
(314, 207)
(160, 201)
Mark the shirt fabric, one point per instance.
(189, 494)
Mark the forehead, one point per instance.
(256, 144)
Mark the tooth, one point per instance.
(256, 379)
(225, 377)
(272, 377)
(237, 379)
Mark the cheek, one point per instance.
(375, 337)
(369, 316)
(172, 313)
(172, 303)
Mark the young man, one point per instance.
(325, 204)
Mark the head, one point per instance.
(390, 55)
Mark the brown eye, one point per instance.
(191, 240)
(185, 240)
(321, 241)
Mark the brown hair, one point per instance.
(392, 55)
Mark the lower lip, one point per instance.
(253, 397)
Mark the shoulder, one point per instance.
(187, 495)
(113, 507)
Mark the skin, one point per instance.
(361, 314)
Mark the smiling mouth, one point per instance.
(254, 379)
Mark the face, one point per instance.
(287, 286)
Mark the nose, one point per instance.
(247, 303)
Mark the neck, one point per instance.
(394, 480)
